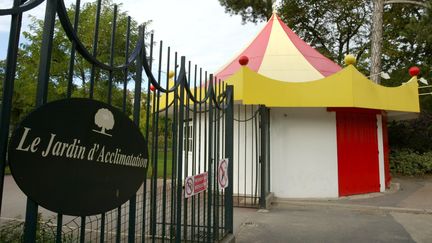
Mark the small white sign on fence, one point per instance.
(222, 173)
(195, 184)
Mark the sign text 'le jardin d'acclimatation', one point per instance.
(78, 157)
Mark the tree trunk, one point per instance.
(376, 40)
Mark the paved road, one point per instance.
(404, 215)
(291, 223)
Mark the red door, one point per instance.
(358, 166)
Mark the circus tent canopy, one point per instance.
(283, 71)
(278, 53)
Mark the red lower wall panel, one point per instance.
(358, 166)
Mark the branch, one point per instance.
(419, 3)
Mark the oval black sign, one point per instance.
(78, 157)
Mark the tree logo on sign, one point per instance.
(105, 120)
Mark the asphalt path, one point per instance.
(392, 217)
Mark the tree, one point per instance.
(377, 31)
(407, 42)
(336, 28)
(333, 27)
(29, 54)
(250, 10)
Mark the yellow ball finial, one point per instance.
(350, 59)
(171, 74)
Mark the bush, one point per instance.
(413, 134)
(409, 162)
(12, 232)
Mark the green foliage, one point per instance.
(29, 55)
(12, 232)
(414, 134)
(333, 27)
(160, 164)
(336, 28)
(409, 162)
(250, 10)
(7, 170)
(407, 42)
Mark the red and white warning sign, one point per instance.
(222, 173)
(196, 184)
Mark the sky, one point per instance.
(197, 29)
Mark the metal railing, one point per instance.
(159, 211)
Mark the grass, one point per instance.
(7, 170)
(160, 165)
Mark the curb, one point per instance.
(351, 206)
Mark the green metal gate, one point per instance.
(187, 120)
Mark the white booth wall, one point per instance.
(303, 147)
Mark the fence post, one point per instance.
(182, 81)
(8, 85)
(263, 158)
(41, 98)
(229, 154)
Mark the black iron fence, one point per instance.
(251, 156)
(186, 117)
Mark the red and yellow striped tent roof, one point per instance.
(284, 71)
(278, 53)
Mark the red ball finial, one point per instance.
(414, 71)
(243, 60)
(152, 88)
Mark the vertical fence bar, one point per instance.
(268, 155)
(263, 125)
(152, 192)
(229, 154)
(257, 157)
(165, 155)
(205, 155)
(8, 87)
(109, 100)
(194, 153)
(216, 161)
(173, 230)
(59, 228)
(210, 162)
(82, 229)
(155, 135)
(41, 98)
(238, 153)
(126, 71)
(73, 50)
(124, 105)
(111, 58)
(95, 46)
(147, 132)
(245, 157)
(102, 229)
(182, 81)
(185, 153)
(201, 85)
(136, 119)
